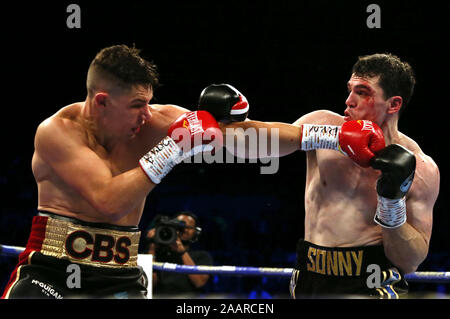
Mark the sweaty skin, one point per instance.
(340, 196)
(86, 158)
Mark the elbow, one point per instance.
(410, 258)
(407, 269)
(409, 266)
(107, 201)
(109, 210)
(112, 215)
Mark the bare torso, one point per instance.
(340, 201)
(341, 198)
(56, 196)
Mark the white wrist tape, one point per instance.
(161, 159)
(391, 213)
(320, 137)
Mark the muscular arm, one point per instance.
(407, 246)
(64, 148)
(282, 138)
(245, 139)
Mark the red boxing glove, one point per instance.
(194, 131)
(361, 140)
(191, 133)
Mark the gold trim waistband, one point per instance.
(92, 246)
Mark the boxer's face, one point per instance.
(365, 100)
(128, 111)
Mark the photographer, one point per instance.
(170, 241)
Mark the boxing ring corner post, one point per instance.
(420, 276)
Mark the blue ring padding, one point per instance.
(420, 276)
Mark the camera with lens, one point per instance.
(166, 230)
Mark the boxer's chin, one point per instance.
(136, 130)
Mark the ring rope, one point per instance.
(420, 276)
(223, 270)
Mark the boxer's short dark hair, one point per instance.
(126, 65)
(396, 77)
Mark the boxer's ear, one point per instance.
(100, 99)
(395, 104)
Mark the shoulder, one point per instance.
(58, 121)
(427, 175)
(163, 115)
(167, 110)
(423, 160)
(64, 125)
(428, 171)
(320, 117)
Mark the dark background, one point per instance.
(288, 57)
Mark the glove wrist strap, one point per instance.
(320, 137)
(391, 213)
(157, 163)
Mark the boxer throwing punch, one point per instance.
(94, 164)
(365, 204)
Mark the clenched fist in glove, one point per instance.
(360, 140)
(397, 165)
(191, 133)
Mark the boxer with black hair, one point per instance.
(370, 189)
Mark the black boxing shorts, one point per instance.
(331, 272)
(69, 258)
